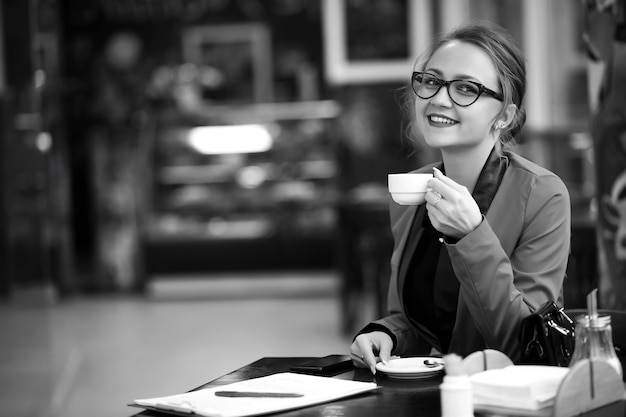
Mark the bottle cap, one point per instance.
(453, 365)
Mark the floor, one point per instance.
(92, 355)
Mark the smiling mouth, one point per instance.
(441, 121)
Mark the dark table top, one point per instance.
(396, 398)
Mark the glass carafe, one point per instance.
(594, 339)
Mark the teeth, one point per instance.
(439, 119)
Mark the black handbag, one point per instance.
(547, 337)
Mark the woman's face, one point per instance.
(445, 124)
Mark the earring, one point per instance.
(500, 125)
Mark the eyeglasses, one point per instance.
(462, 92)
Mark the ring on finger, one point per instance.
(436, 201)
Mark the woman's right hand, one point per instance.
(370, 348)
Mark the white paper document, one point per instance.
(246, 398)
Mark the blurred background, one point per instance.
(189, 185)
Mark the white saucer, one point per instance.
(410, 368)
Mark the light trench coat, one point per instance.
(513, 262)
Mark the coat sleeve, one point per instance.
(500, 289)
(406, 338)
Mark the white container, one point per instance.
(408, 188)
(456, 396)
(456, 390)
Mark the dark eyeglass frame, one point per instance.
(443, 83)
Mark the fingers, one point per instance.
(451, 208)
(438, 175)
(367, 355)
(357, 357)
(385, 350)
(366, 346)
(438, 190)
(445, 187)
(433, 198)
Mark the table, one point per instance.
(397, 398)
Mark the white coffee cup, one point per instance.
(408, 188)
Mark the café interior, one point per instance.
(189, 185)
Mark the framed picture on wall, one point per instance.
(234, 61)
(373, 41)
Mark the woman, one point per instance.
(491, 242)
